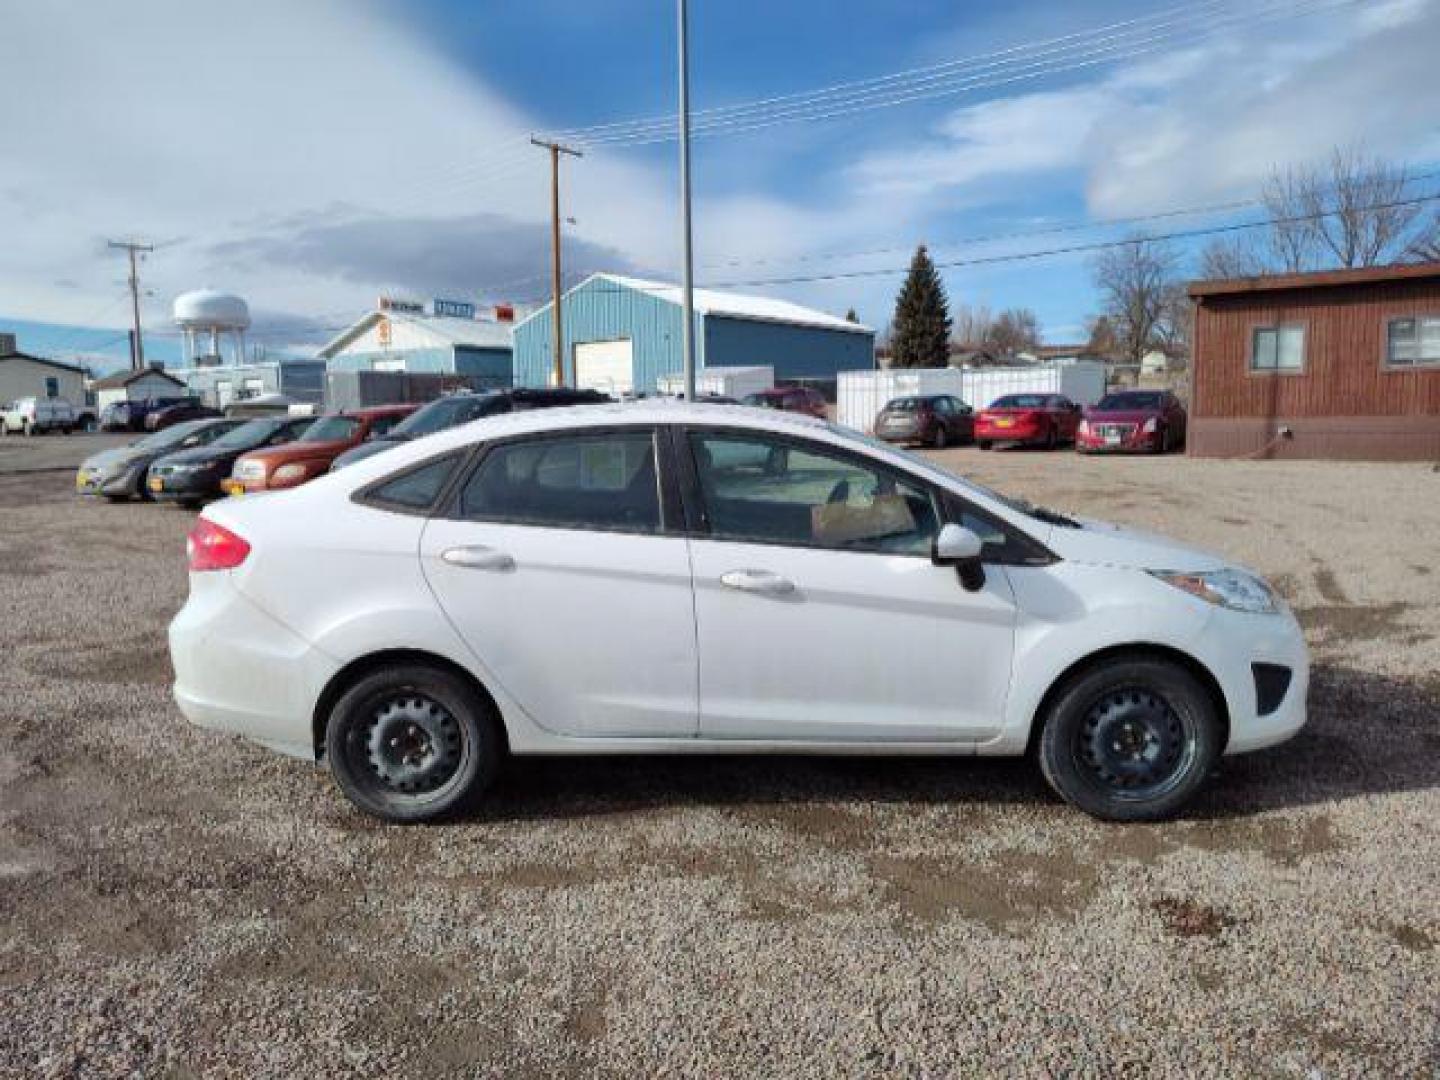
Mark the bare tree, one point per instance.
(1137, 282)
(971, 325)
(1346, 213)
(1015, 330)
(1426, 247)
(1231, 257)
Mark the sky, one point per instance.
(312, 156)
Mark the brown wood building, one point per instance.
(1340, 364)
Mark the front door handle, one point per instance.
(478, 557)
(758, 581)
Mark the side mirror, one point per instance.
(960, 547)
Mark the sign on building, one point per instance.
(453, 309)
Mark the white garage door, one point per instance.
(607, 366)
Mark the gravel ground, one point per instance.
(176, 903)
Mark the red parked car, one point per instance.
(1033, 419)
(1152, 421)
(312, 454)
(789, 399)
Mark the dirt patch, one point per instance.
(1329, 587)
(1411, 937)
(1339, 623)
(1189, 918)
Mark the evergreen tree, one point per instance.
(922, 317)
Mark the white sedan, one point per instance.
(674, 578)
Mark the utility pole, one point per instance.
(688, 289)
(555, 151)
(137, 343)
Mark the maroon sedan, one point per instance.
(1148, 421)
(789, 399)
(1033, 419)
(929, 419)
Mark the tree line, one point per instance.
(1352, 211)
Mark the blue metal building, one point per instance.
(622, 334)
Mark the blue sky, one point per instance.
(311, 156)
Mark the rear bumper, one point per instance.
(1019, 433)
(239, 670)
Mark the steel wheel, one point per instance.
(411, 745)
(1134, 744)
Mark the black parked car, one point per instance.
(119, 473)
(457, 409)
(189, 477)
(130, 415)
(166, 415)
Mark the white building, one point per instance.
(447, 340)
(23, 375)
(146, 384)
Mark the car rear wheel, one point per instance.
(412, 743)
(1131, 738)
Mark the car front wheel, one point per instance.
(412, 743)
(1131, 738)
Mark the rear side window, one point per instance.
(604, 481)
(413, 489)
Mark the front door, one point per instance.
(557, 569)
(818, 611)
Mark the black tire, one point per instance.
(1131, 738)
(942, 437)
(434, 715)
(986, 444)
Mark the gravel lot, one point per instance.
(176, 903)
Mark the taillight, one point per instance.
(214, 547)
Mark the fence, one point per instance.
(362, 389)
(862, 394)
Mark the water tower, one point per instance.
(220, 317)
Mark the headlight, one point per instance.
(1149, 428)
(249, 470)
(1232, 589)
(288, 474)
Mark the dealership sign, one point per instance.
(453, 309)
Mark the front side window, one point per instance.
(604, 481)
(1413, 341)
(1278, 348)
(764, 490)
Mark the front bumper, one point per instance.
(1230, 646)
(1135, 442)
(239, 670)
(183, 486)
(125, 482)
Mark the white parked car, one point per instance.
(671, 578)
(34, 415)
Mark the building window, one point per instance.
(1278, 348)
(1413, 341)
(52, 387)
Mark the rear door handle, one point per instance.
(478, 557)
(757, 581)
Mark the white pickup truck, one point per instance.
(32, 416)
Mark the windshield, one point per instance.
(172, 436)
(1021, 401)
(1132, 400)
(441, 414)
(331, 429)
(252, 433)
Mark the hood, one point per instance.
(297, 451)
(1122, 416)
(116, 455)
(197, 454)
(1100, 543)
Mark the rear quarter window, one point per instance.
(413, 490)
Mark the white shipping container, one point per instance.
(733, 382)
(860, 395)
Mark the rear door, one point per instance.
(568, 576)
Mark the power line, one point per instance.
(1183, 234)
